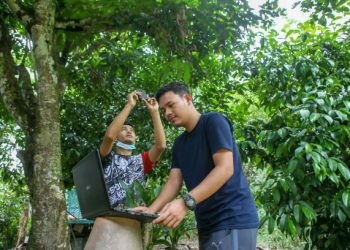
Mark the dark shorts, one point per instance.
(229, 239)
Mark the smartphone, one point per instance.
(143, 94)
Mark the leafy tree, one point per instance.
(45, 48)
(303, 85)
(13, 198)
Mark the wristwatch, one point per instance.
(190, 202)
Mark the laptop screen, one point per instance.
(90, 185)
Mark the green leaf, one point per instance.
(328, 243)
(314, 117)
(304, 36)
(283, 222)
(292, 186)
(139, 192)
(344, 171)
(316, 157)
(262, 221)
(281, 149)
(292, 228)
(271, 225)
(346, 130)
(282, 132)
(345, 198)
(163, 242)
(341, 216)
(187, 72)
(319, 102)
(304, 113)
(276, 195)
(324, 227)
(332, 164)
(269, 183)
(284, 185)
(296, 212)
(347, 104)
(299, 150)
(341, 116)
(130, 196)
(292, 165)
(333, 209)
(308, 148)
(308, 211)
(333, 177)
(328, 118)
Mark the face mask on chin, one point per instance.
(125, 146)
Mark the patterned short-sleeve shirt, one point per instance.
(122, 170)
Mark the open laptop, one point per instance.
(92, 193)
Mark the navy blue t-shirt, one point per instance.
(232, 206)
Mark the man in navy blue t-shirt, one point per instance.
(207, 159)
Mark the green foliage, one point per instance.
(12, 202)
(276, 239)
(169, 238)
(138, 194)
(13, 193)
(304, 86)
(289, 99)
(325, 10)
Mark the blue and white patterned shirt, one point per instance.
(118, 169)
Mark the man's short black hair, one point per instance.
(128, 123)
(177, 87)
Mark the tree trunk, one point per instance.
(21, 234)
(49, 220)
(37, 113)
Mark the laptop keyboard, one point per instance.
(132, 212)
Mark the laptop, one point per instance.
(92, 192)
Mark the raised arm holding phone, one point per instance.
(121, 164)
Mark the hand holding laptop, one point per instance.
(170, 216)
(142, 209)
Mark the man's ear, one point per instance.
(188, 98)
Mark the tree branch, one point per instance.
(20, 11)
(74, 25)
(25, 84)
(92, 25)
(65, 53)
(9, 88)
(93, 47)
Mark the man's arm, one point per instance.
(159, 137)
(170, 189)
(174, 212)
(223, 170)
(220, 143)
(116, 125)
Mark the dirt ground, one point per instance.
(189, 244)
(193, 245)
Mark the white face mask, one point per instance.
(125, 146)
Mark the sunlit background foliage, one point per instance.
(287, 94)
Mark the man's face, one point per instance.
(127, 135)
(174, 107)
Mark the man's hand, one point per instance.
(151, 104)
(143, 209)
(132, 98)
(172, 214)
